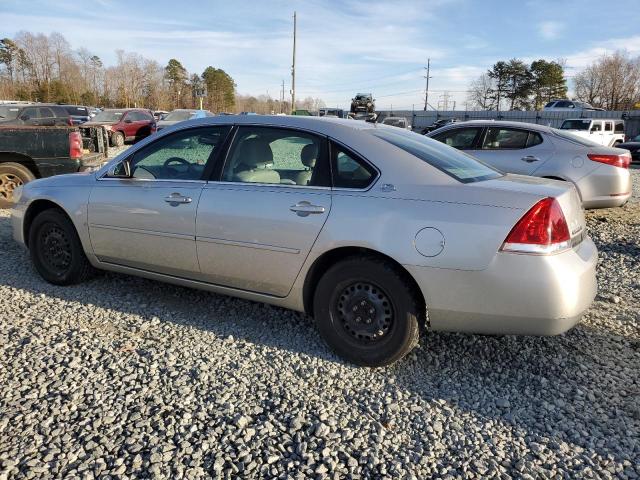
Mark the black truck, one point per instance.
(30, 152)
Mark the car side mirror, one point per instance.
(120, 170)
(128, 120)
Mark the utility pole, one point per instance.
(293, 68)
(282, 98)
(426, 91)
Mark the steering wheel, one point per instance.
(176, 160)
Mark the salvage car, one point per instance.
(399, 122)
(34, 115)
(600, 174)
(124, 124)
(180, 115)
(375, 231)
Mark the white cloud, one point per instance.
(550, 30)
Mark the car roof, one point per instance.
(498, 123)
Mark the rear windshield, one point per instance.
(454, 163)
(8, 112)
(575, 138)
(576, 125)
(78, 111)
(109, 116)
(179, 115)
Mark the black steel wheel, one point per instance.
(56, 250)
(368, 311)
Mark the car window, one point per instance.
(349, 171)
(619, 127)
(45, 112)
(596, 127)
(549, 105)
(565, 105)
(276, 156)
(29, 114)
(179, 156)
(456, 164)
(534, 139)
(460, 138)
(608, 127)
(498, 138)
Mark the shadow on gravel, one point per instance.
(553, 387)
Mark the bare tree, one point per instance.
(479, 96)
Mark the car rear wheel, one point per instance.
(12, 176)
(367, 311)
(56, 251)
(117, 139)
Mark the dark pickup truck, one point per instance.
(30, 152)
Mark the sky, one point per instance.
(343, 47)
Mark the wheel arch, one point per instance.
(22, 159)
(331, 257)
(36, 207)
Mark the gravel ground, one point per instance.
(124, 377)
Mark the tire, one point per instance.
(12, 175)
(56, 251)
(342, 318)
(117, 139)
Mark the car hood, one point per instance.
(168, 123)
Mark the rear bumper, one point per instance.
(605, 187)
(516, 294)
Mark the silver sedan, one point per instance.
(374, 231)
(599, 173)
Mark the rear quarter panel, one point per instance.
(472, 233)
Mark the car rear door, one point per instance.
(129, 124)
(148, 221)
(513, 150)
(259, 218)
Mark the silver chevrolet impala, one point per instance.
(375, 231)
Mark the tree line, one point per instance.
(45, 68)
(611, 82)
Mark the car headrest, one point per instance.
(309, 154)
(255, 153)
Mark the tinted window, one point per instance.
(504, 139)
(619, 127)
(179, 156)
(77, 111)
(279, 156)
(565, 105)
(597, 127)
(458, 165)
(8, 113)
(349, 171)
(461, 138)
(608, 127)
(575, 124)
(548, 105)
(534, 139)
(29, 114)
(109, 116)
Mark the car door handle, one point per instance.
(176, 198)
(529, 159)
(305, 208)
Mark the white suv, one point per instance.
(607, 132)
(569, 106)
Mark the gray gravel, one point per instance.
(125, 377)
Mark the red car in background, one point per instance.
(125, 124)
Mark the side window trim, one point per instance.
(528, 132)
(349, 151)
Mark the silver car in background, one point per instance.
(373, 230)
(600, 174)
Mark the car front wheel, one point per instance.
(56, 251)
(117, 139)
(367, 311)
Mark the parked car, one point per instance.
(438, 124)
(125, 124)
(569, 106)
(365, 227)
(34, 115)
(634, 149)
(399, 122)
(30, 152)
(180, 115)
(78, 113)
(600, 174)
(608, 132)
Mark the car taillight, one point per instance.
(75, 145)
(542, 230)
(623, 160)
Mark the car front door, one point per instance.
(147, 220)
(129, 125)
(513, 150)
(257, 223)
(607, 137)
